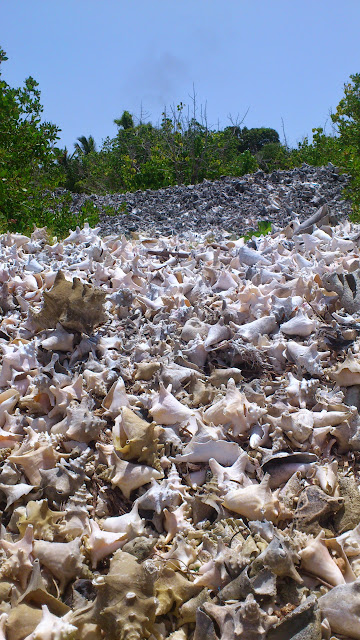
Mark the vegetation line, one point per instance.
(182, 149)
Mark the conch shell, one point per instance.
(125, 604)
(256, 502)
(75, 305)
(136, 439)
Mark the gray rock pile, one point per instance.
(231, 204)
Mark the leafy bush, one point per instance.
(347, 120)
(29, 170)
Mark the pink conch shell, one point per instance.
(316, 559)
(255, 502)
(102, 543)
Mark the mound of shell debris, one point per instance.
(234, 205)
(180, 435)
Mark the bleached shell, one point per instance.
(19, 562)
(196, 352)
(347, 373)
(232, 474)
(126, 475)
(116, 398)
(58, 340)
(221, 450)
(63, 559)
(216, 334)
(192, 328)
(168, 492)
(42, 457)
(51, 627)
(340, 607)
(234, 410)
(299, 325)
(177, 376)
(80, 423)
(130, 523)
(316, 559)
(254, 502)
(8, 400)
(15, 492)
(262, 326)
(251, 257)
(101, 544)
(246, 619)
(167, 410)
(298, 425)
(306, 357)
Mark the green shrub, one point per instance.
(29, 167)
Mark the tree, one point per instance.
(347, 120)
(27, 155)
(254, 139)
(31, 166)
(85, 145)
(126, 121)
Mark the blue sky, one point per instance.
(275, 60)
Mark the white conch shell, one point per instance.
(340, 606)
(51, 627)
(8, 400)
(176, 522)
(326, 475)
(225, 281)
(15, 492)
(19, 561)
(169, 492)
(234, 410)
(58, 340)
(250, 257)
(347, 373)
(228, 476)
(223, 451)
(102, 543)
(307, 358)
(126, 475)
(316, 559)
(262, 326)
(254, 502)
(63, 559)
(40, 457)
(116, 398)
(130, 523)
(196, 352)
(167, 410)
(217, 332)
(299, 325)
(242, 620)
(177, 375)
(80, 423)
(297, 425)
(192, 328)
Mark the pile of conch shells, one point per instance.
(180, 436)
